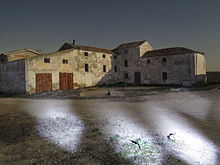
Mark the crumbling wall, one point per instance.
(132, 56)
(76, 65)
(179, 69)
(12, 77)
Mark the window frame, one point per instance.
(46, 60)
(115, 69)
(65, 61)
(125, 63)
(104, 68)
(164, 59)
(86, 54)
(86, 67)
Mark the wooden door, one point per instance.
(137, 78)
(66, 81)
(43, 82)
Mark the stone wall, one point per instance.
(179, 69)
(12, 77)
(132, 56)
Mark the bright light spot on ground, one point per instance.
(130, 139)
(187, 143)
(59, 125)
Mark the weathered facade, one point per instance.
(87, 66)
(177, 66)
(74, 66)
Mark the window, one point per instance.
(126, 75)
(115, 69)
(126, 51)
(148, 61)
(126, 63)
(164, 76)
(46, 60)
(115, 57)
(103, 56)
(86, 54)
(86, 67)
(65, 61)
(104, 68)
(164, 59)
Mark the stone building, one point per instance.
(74, 66)
(69, 68)
(138, 63)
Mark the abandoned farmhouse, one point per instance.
(74, 66)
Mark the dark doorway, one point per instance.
(164, 76)
(137, 78)
(43, 82)
(66, 81)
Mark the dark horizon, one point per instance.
(47, 25)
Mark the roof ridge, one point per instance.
(170, 51)
(19, 50)
(85, 48)
(130, 44)
(88, 46)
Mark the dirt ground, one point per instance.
(134, 125)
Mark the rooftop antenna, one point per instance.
(74, 42)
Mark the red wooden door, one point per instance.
(43, 82)
(66, 81)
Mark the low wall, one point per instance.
(213, 77)
(12, 77)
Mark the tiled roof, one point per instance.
(130, 45)
(85, 48)
(169, 51)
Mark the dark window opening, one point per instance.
(65, 61)
(126, 75)
(103, 56)
(115, 69)
(148, 61)
(104, 68)
(126, 63)
(164, 76)
(46, 60)
(86, 67)
(115, 57)
(164, 59)
(86, 54)
(126, 51)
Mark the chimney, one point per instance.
(74, 42)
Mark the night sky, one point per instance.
(47, 24)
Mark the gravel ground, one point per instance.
(136, 125)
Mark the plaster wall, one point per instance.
(76, 65)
